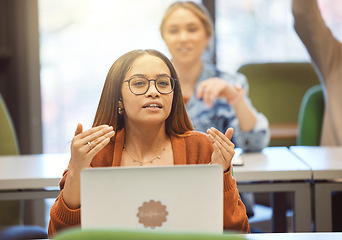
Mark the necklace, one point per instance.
(143, 162)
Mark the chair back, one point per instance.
(9, 210)
(276, 90)
(8, 137)
(311, 117)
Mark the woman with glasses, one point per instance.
(141, 121)
(212, 97)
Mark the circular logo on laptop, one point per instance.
(152, 214)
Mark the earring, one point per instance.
(120, 110)
(120, 107)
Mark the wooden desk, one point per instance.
(326, 165)
(284, 130)
(277, 170)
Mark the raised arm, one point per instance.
(323, 48)
(235, 217)
(85, 145)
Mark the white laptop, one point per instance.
(174, 198)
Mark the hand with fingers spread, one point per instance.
(213, 88)
(223, 147)
(85, 145)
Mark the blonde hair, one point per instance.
(199, 10)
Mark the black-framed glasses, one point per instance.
(139, 85)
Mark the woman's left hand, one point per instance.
(223, 147)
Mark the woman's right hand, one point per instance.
(81, 155)
(213, 88)
(85, 145)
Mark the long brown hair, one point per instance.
(177, 123)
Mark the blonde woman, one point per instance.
(213, 98)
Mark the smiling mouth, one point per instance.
(152, 106)
(184, 50)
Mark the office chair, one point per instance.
(276, 89)
(8, 137)
(10, 211)
(311, 117)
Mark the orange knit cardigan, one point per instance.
(192, 149)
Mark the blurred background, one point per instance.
(55, 54)
(80, 39)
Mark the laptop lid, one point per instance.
(171, 198)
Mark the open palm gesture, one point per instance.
(223, 147)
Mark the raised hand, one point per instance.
(223, 147)
(85, 145)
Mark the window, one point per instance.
(79, 41)
(262, 31)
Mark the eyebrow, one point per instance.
(143, 75)
(190, 24)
